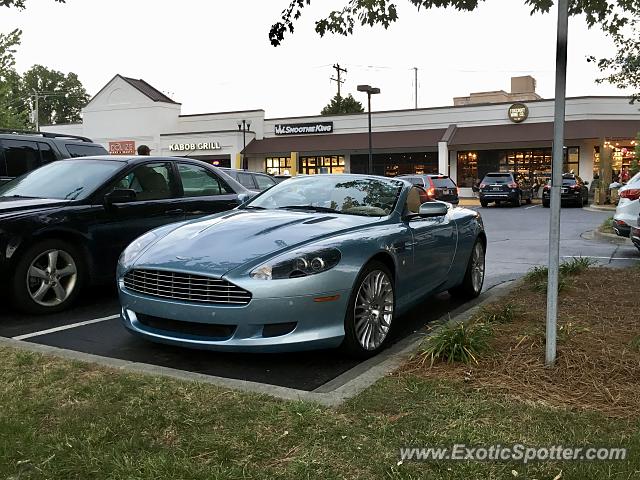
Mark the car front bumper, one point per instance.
(315, 324)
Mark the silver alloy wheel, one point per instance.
(51, 278)
(477, 267)
(373, 310)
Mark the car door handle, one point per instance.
(174, 212)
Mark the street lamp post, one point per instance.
(369, 91)
(244, 126)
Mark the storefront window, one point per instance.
(394, 164)
(467, 168)
(328, 164)
(278, 165)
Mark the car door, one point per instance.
(115, 226)
(203, 191)
(434, 245)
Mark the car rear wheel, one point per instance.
(473, 281)
(518, 201)
(48, 277)
(546, 203)
(370, 311)
(484, 203)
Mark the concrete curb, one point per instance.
(602, 208)
(331, 394)
(611, 238)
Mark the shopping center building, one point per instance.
(486, 131)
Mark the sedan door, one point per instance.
(115, 226)
(434, 245)
(203, 192)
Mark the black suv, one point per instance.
(252, 180)
(21, 151)
(437, 186)
(505, 187)
(574, 191)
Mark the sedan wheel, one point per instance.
(48, 277)
(370, 312)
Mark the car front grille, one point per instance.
(189, 328)
(184, 286)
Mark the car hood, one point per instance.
(10, 205)
(217, 245)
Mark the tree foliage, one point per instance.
(19, 3)
(611, 15)
(12, 112)
(341, 104)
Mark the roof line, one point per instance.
(220, 113)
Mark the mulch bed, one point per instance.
(598, 362)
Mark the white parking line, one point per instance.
(64, 327)
(601, 258)
(532, 206)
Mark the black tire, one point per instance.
(529, 200)
(23, 285)
(470, 288)
(546, 203)
(351, 345)
(484, 203)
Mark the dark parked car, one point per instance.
(507, 187)
(21, 152)
(438, 187)
(65, 224)
(252, 180)
(574, 191)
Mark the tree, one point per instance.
(612, 16)
(18, 3)
(623, 69)
(12, 111)
(340, 105)
(62, 97)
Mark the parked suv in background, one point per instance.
(500, 187)
(574, 191)
(628, 207)
(438, 187)
(252, 180)
(21, 152)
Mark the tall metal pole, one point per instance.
(416, 86)
(37, 112)
(244, 145)
(556, 182)
(370, 137)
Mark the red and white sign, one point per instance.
(125, 147)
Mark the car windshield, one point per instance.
(62, 180)
(335, 194)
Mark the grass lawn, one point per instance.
(61, 419)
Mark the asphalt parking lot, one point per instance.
(517, 241)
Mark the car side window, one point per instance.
(46, 153)
(264, 182)
(150, 182)
(246, 180)
(200, 182)
(20, 156)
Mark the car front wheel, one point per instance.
(370, 311)
(48, 277)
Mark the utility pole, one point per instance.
(36, 112)
(556, 182)
(415, 70)
(339, 71)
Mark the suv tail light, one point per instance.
(631, 194)
(431, 192)
(512, 185)
(547, 187)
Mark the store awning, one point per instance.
(411, 139)
(543, 132)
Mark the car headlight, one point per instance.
(298, 264)
(137, 246)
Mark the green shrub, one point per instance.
(506, 313)
(576, 265)
(635, 343)
(607, 226)
(456, 343)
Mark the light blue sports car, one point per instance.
(315, 262)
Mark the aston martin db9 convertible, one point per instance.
(315, 262)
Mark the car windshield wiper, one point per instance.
(16, 196)
(310, 208)
(73, 194)
(253, 207)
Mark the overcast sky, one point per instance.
(216, 56)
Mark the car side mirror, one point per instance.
(119, 195)
(243, 198)
(433, 209)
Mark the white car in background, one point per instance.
(628, 207)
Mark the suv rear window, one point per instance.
(568, 181)
(443, 182)
(80, 150)
(497, 178)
